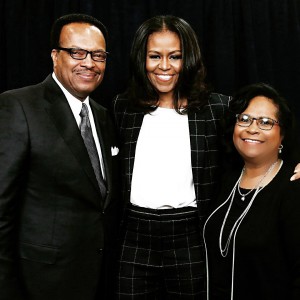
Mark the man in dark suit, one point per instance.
(58, 210)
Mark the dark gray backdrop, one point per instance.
(242, 41)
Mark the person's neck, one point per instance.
(168, 102)
(253, 173)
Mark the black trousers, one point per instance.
(161, 255)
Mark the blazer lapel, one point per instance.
(132, 126)
(197, 124)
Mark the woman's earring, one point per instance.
(280, 148)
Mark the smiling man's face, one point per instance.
(79, 77)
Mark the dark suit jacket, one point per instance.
(205, 133)
(55, 228)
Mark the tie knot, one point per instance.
(84, 111)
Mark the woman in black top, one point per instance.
(252, 237)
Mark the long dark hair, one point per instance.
(190, 84)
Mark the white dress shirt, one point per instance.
(76, 106)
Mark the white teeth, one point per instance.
(164, 77)
(251, 141)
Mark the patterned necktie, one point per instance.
(86, 133)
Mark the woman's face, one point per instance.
(164, 62)
(253, 143)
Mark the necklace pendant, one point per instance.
(243, 198)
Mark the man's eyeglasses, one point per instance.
(80, 54)
(263, 123)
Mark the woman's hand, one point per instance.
(296, 175)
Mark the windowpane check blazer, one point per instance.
(204, 127)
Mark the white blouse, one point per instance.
(162, 174)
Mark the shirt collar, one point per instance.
(74, 103)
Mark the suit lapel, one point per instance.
(63, 118)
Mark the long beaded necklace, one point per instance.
(258, 184)
(258, 188)
(236, 225)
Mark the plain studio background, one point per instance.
(242, 41)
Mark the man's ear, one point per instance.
(54, 53)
